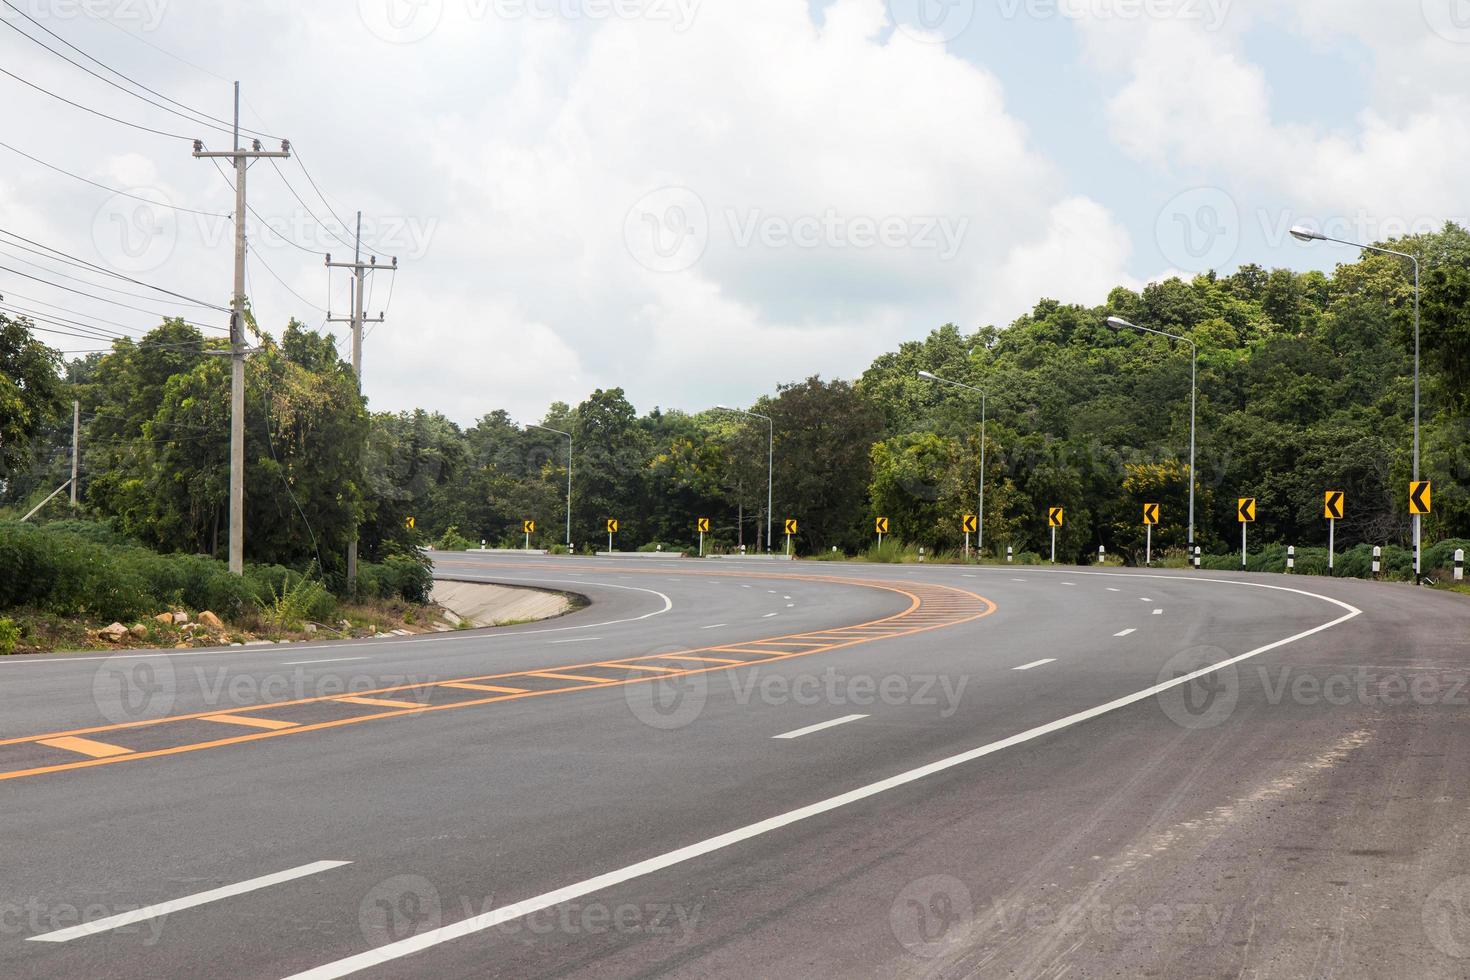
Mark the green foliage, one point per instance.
(9, 636)
(30, 392)
(406, 577)
(294, 603)
(452, 540)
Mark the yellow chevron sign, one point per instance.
(1150, 514)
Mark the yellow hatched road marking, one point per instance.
(557, 676)
(381, 702)
(467, 686)
(657, 670)
(271, 723)
(85, 746)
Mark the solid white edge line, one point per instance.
(1158, 612)
(714, 626)
(1036, 663)
(820, 726)
(1131, 629)
(334, 660)
(507, 913)
(188, 902)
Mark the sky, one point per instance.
(696, 200)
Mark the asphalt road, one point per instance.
(765, 770)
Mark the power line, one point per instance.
(119, 74)
(90, 316)
(107, 81)
(95, 112)
(256, 255)
(79, 292)
(112, 190)
(85, 282)
(116, 275)
(330, 230)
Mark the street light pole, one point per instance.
(1307, 235)
(1118, 323)
(980, 512)
(770, 462)
(547, 428)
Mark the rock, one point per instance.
(181, 646)
(113, 633)
(311, 627)
(209, 620)
(180, 618)
(166, 619)
(138, 630)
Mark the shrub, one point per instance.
(9, 637)
(406, 577)
(452, 540)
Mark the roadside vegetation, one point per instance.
(67, 583)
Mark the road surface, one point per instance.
(765, 770)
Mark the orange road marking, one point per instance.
(381, 702)
(657, 670)
(705, 660)
(941, 606)
(557, 676)
(467, 686)
(271, 723)
(97, 750)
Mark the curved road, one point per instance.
(765, 769)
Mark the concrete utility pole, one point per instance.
(76, 443)
(238, 351)
(360, 272)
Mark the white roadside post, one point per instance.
(1011, 557)
(1148, 547)
(1291, 558)
(1102, 554)
(1377, 560)
(1243, 526)
(1053, 545)
(1459, 564)
(1198, 556)
(1331, 543)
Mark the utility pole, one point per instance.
(360, 270)
(76, 443)
(238, 351)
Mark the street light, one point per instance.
(980, 512)
(547, 428)
(770, 460)
(1307, 235)
(1118, 323)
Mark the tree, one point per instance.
(30, 393)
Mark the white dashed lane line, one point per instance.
(714, 626)
(1125, 632)
(1111, 589)
(1158, 612)
(819, 727)
(1036, 663)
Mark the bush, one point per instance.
(9, 637)
(406, 577)
(452, 540)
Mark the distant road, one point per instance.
(765, 770)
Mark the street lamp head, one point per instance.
(1302, 234)
(724, 408)
(928, 376)
(1118, 323)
